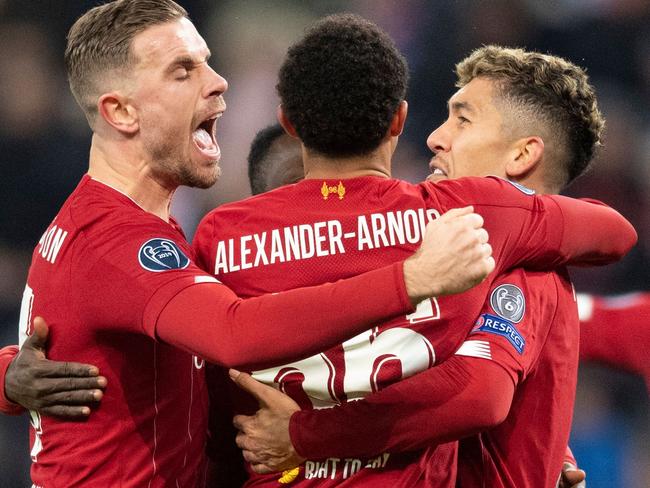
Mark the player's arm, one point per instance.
(592, 232)
(468, 393)
(614, 331)
(209, 320)
(539, 231)
(461, 397)
(7, 354)
(64, 389)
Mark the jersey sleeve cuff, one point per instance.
(7, 406)
(400, 288)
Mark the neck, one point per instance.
(121, 167)
(537, 183)
(376, 163)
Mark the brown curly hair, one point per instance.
(547, 94)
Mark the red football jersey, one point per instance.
(112, 279)
(317, 231)
(150, 427)
(529, 326)
(615, 331)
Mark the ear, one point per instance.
(285, 123)
(399, 119)
(528, 153)
(118, 113)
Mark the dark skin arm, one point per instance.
(60, 389)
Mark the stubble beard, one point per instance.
(178, 170)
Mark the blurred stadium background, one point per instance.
(44, 142)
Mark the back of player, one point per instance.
(150, 427)
(322, 230)
(541, 355)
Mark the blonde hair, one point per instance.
(545, 93)
(99, 43)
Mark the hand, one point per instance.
(572, 477)
(50, 387)
(264, 437)
(454, 256)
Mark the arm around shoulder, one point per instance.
(593, 233)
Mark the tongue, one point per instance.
(203, 139)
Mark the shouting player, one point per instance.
(513, 331)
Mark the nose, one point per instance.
(216, 84)
(439, 140)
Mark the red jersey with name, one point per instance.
(615, 331)
(529, 326)
(317, 231)
(110, 279)
(101, 266)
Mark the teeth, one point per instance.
(438, 171)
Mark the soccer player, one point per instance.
(346, 183)
(523, 205)
(115, 277)
(274, 160)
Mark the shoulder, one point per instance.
(474, 190)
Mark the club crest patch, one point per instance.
(496, 325)
(160, 254)
(508, 302)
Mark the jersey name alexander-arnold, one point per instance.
(325, 238)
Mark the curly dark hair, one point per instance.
(341, 84)
(546, 92)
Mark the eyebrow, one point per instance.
(458, 106)
(186, 61)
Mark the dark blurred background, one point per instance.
(44, 142)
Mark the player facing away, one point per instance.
(359, 217)
(116, 280)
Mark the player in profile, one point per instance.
(347, 182)
(116, 280)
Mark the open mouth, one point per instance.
(205, 139)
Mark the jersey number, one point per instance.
(366, 363)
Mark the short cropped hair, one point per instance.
(341, 84)
(257, 167)
(545, 92)
(100, 41)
